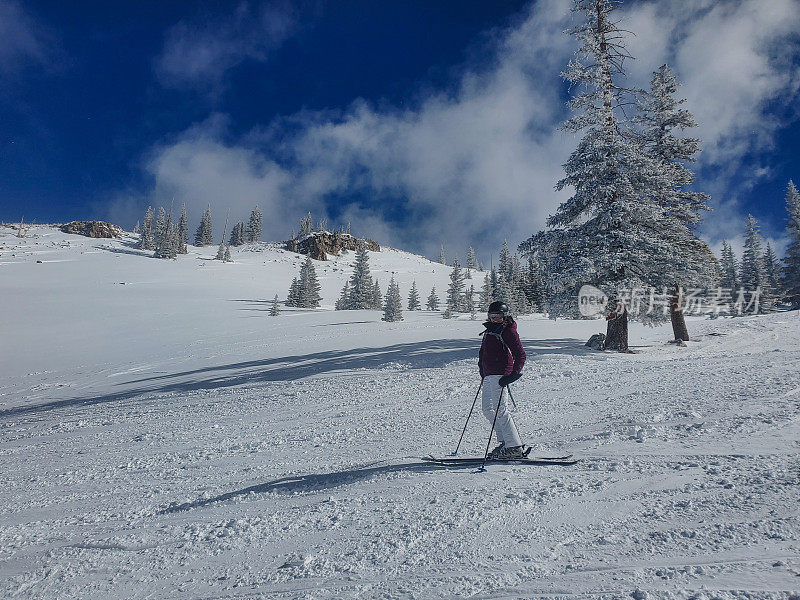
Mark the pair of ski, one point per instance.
(525, 459)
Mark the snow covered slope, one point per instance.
(162, 437)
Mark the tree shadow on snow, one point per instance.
(431, 354)
(315, 482)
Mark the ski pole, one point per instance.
(510, 395)
(468, 416)
(489, 443)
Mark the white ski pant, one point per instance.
(504, 427)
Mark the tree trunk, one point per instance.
(617, 331)
(676, 315)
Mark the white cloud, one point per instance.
(22, 41)
(478, 164)
(198, 53)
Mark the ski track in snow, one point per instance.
(288, 465)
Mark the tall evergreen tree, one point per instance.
(494, 286)
(433, 300)
(203, 235)
(393, 309)
(729, 276)
(167, 246)
(754, 274)
(472, 262)
(791, 262)
(487, 294)
(455, 291)
(183, 232)
(309, 286)
(687, 261)
(160, 227)
(534, 285)
(254, 226)
(469, 302)
(504, 266)
(361, 286)
(147, 239)
(611, 232)
(413, 297)
(237, 235)
(773, 268)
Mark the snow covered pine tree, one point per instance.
(791, 268)
(203, 235)
(618, 231)
(393, 309)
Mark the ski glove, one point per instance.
(506, 379)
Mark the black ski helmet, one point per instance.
(499, 307)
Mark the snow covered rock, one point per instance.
(319, 244)
(597, 341)
(93, 229)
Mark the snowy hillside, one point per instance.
(163, 437)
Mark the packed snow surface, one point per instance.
(163, 437)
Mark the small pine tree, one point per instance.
(254, 226)
(306, 226)
(442, 259)
(433, 300)
(137, 228)
(413, 297)
(275, 310)
(227, 257)
(393, 310)
(203, 235)
(293, 298)
(147, 238)
(343, 302)
(455, 291)
(377, 300)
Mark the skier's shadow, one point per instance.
(316, 482)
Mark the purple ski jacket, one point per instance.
(495, 358)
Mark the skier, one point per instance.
(500, 362)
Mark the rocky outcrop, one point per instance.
(93, 229)
(321, 243)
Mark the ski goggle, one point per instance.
(494, 315)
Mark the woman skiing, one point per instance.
(500, 362)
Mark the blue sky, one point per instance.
(422, 123)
